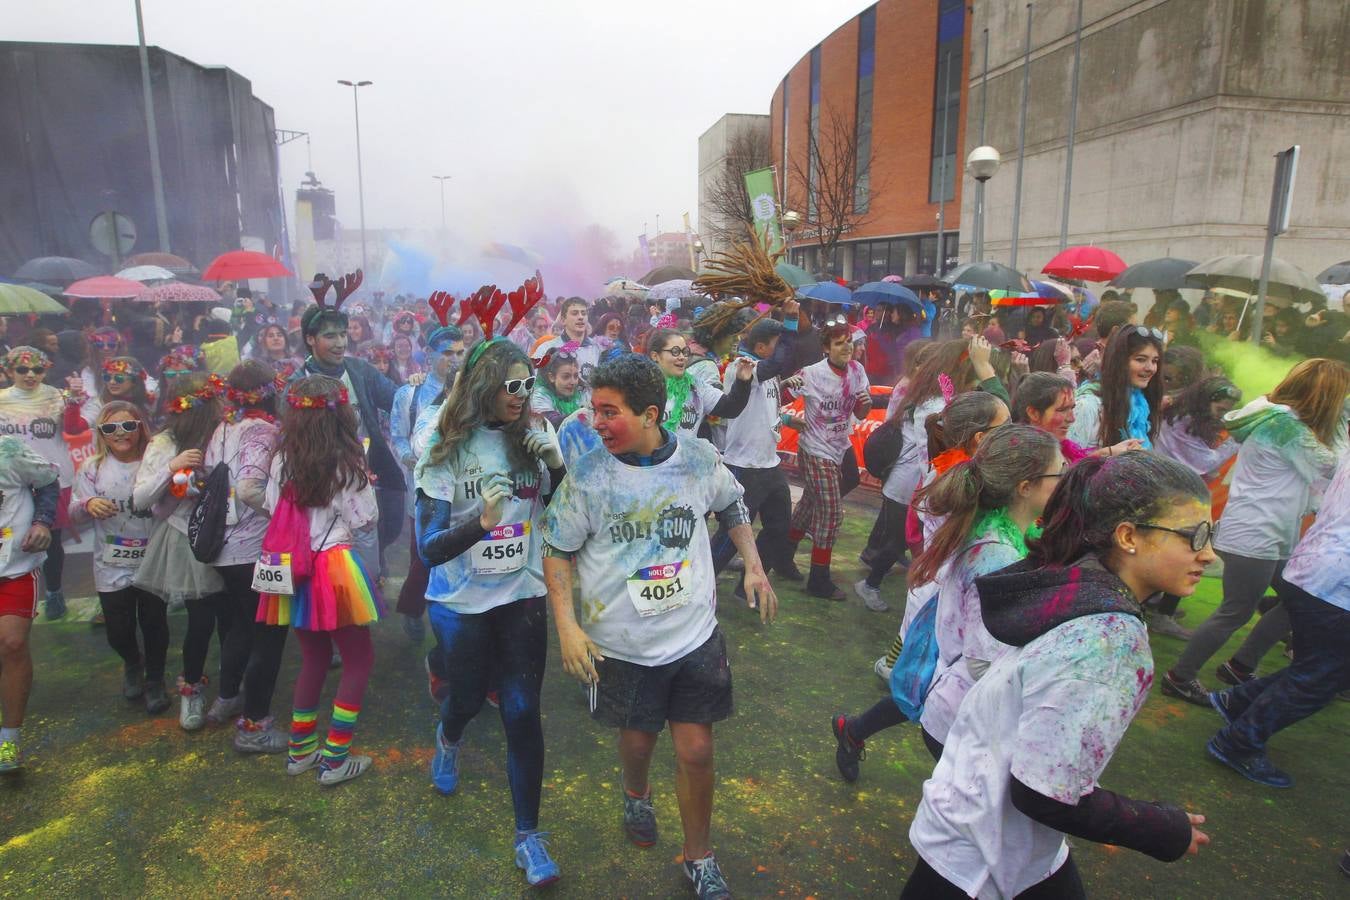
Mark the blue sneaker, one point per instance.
(445, 765)
(532, 856)
(1256, 767)
(1219, 700)
(709, 882)
(56, 605)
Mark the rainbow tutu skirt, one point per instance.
(339, 593)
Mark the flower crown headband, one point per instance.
(206, 393)
(321, 401)
(123, 366)
(27, 356)
(250, 398)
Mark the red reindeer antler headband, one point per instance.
(345, 287)
(487, 301)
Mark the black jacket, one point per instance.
(374, 392)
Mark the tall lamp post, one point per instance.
(360, 185)
(442, 179)
(982, 163)
(792, 220)
(152, 134)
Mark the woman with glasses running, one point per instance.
(1288, 441)
(102, 495)
(482, 486)
(1125, 403)
(690, 400)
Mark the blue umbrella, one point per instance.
(827, 291)
(875, 293)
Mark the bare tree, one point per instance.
(838, 179)
(727, 200)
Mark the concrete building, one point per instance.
(891, 82)
(1182, 105)
(726, 151)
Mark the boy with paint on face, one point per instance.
(632, 515)
(836, 392)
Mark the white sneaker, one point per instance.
(191, 707)
(351, 767)
(303, 764)
(883, 671)
(223, 710)
(871, 597)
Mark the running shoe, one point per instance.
(882, 669)
(870, 596)
(788, 569)
(156, 699)
(445, 765)
(1255, 767)
(848, 752)
(56, 605)
(11, 760)
(191, 706)
(259, 737)
(1231, 674)
(349, 768)
(223, 710)
(133, 683)
(302, 764)
(532, 856)
(639, 819)
(709, 882)
(1220, 700)
(1191, 691)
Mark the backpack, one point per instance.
(206, 525)
(882, 448)
(912, 675)
(288, 532)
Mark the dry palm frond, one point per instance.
(744, 272)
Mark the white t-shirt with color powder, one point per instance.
(829, 408)
(119, 540)
(21, 471)
(752, 437)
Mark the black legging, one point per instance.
(891, 544)
(510, 642)
(250, 653)
(206, 616)
(55, 562)
(393, 508)
(885, 714)
(926, 884)
(125, 609)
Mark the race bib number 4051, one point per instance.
(272, 574)
(659, 589)
(503, 551)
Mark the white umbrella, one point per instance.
(146, 273)
(680, 287)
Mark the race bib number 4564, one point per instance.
(272, 574)
(503, 551)
(659, 589)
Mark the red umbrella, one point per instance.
(105, 287)
(180, 293)
(239, 265)
(1086, 264)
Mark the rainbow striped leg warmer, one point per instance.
(303, 739)
(339, 735)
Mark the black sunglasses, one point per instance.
(676, 352)
(110, 428)
(1199, 536)
(519, 385)
(28, 370)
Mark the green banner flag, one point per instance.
(759, 186)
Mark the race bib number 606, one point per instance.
(272, 574)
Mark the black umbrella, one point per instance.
(662, 274)
(925, 283)
(1337, 274)
(990, 276)
(55, 270)
(1164, 274)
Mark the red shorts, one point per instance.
(18, 596)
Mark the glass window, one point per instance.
(947, 100)
(867, 42)
(895, 264)
(861, 261)
(928, 254)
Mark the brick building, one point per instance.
(886, 83)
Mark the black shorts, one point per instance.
(694, 688)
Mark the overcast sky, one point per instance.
(582, 111)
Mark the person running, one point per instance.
(1126, 402)
(37, 413)
(1193, 429)
(558, 392)
(632, 515)
(1288, 441)
(318, 476)
(29, 494)
(836, 392)
(166, 483)
(1315, 592)
(576, 329)
(690, 401)
(102, 494)
(988, 506)
(1019, 771)
(481, 489)
(251, 651)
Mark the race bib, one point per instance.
(124, 552)
(6, 546)
(503, 551)
(272, 574)
(659, 589)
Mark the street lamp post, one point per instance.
(982, 163)
(152, 134)
(442, 179)
(792, 220)
(360, 184)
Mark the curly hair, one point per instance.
(1196, 404)
(638, 379)
(320, 448)
(469, 406)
